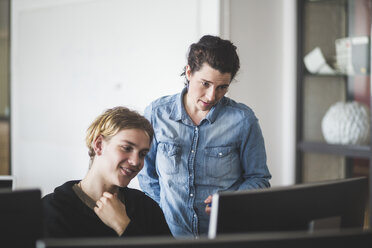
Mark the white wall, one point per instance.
(264, 32)
(71, 59)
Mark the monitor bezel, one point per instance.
(213, 231)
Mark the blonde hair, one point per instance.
(111, 122)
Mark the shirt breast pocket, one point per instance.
(218, 161)
(168, 158)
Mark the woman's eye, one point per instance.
(206, 84)
(127, 148)
(143, 154)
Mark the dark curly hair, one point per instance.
(220, 54)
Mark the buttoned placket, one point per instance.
(191, 166)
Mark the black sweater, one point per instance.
(65, 215)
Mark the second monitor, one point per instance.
(336, 204)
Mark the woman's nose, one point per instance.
(211, 94)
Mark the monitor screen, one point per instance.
(20, 218)
(6, 182)
(325, 239)
(329, 204)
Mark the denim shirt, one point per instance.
(189, 162)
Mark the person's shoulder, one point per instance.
(60, 193)
(239, 108)
(134, 193)
(164, 101)
(48, 199)
(137, 195)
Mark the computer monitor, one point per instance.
(6, 182)
(20, 218)
(328, 204)
(325, 239)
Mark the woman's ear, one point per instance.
(97, 145)
(188, 72)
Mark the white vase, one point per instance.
(347, 123)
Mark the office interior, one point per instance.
(63, 62)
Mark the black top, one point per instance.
(65, 215)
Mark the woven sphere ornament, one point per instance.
(347, 123)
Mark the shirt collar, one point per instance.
(178, 112)
(215, 110)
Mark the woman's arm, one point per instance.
(148, 177)
(253, 158)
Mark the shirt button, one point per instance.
(196, 129)
(220, 154)
(192, 151)
(191, 195)
(190, 175)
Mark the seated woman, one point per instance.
(101, 204)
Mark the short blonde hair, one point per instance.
(114, 120)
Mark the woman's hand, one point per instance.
(208, 201)
(112, 212)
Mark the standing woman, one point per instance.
(204, 142)
(101, 204)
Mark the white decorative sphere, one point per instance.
(347, 123)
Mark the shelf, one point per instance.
(320, 24)
(4, 118)
(339, 2)
(307, 74)
(344, 150)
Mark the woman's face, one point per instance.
(206, 87)
(122, 156)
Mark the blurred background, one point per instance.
(63, 62)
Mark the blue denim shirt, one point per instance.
(187, 163)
